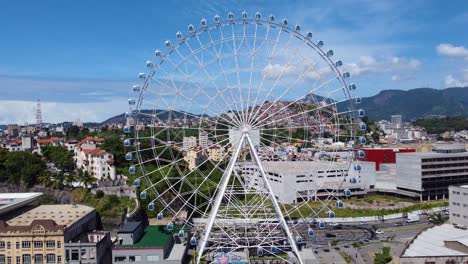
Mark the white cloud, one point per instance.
(368, 64)
(396, 78)
(273, 71)
(452, 51)
(453, 81)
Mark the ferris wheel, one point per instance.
(242, 134)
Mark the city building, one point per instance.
(383, 155)
(148, 245)
(310, 180)
(437, 245)
(430, 174)
(189, 142)
(396, 121)
(203, 139)
(54, 234)
(91, 158)
(458, 205)
(216, 153)
(41, 143)
(194, 157)
(13, 130)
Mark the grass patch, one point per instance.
(345, 257)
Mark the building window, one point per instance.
(8, 245)
(26, 259)
(59, 244)
(2, 244)
(50, 243)
(8, 260)
(2, 259)
(38, 244)
(26, 244)
(50, 258)
(18, 260)
(152, 258)
(120, 258)
(75, 255)
(59, 259)
(134, 258)
(17, 245)
(38, 259)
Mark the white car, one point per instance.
(380, 232)
(333, 224)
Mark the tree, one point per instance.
(60, 156)
(21, 167)
(383, 257)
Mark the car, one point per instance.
(338, 226)
(380, 232)
(363, 223)
(398, 224)
(326, 250)
(447, 212)
(334, 224)
(330, 235)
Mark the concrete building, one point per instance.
(98, 162)
(13, 130)
(203, 139)
(194, 157)
(458, 205)
(430, 174)
(54, 234)
(383, 155)
(295, 181)
(153, 244)
(396, 121)
(188, 143)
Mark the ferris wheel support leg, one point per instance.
(219, 198)
(274, 200)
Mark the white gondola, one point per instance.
(230, 16)
(193, 241)
(362, 140)
(149, 64)
(360, 113)
(309, 35)
(260, 252)
(181, 233)
(203, 22)
(297, 28)
(129, 156)
(160, 216)
(128, 115)
(321, 224)
(179, 35)
(347, 193)
(132, 170)
(358, 100)
(217, 19)
(338, 63)
(127, 142)
(284, 22)
(191, 28)
(137, 183)
(357, 167)
(346, 75)
(168, 43)
(352, 87)
(157, 53)
(320, 44)
(274, 250)
(126, 129)
(362, 126)
(339, 204)
(170, 226)
(142, 75)
(258, 15)
(310, 232)
(331, 214)
(136, 88)
(131, 101)
(361, 154)
(244, 15)
(151, 206)
(298, 239)
(143, 195)
(354, 180)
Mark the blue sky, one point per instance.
(81, 57)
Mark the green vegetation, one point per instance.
(345, 257)
(440, 125)
(383, 257)
(109, 205)
(20, 167)
(60, 156)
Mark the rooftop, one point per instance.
(432, 154)
(153, 237)
(306, 167)
(431, 242)
(62, 214)
(11, 201)
(130, 227)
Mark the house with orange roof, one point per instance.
(42, 142)
(91, 158)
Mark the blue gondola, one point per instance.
(338, 63)
(297, 28)
(357, 167)
(149, 64)
(285, 22)
(258, 15)
(298, 239)
(128, 115)
(126, 129)
(346, 75)
(131, 101)
(127, 142)
(136, 88)
(274, 250)
(230, 16)
(217, 19)
(167, 43)
(361, 154)
(181, 233)
(331, 214)
(132, 170)
(352, 87)
(272, 18)
(151, 206)
(178, 35)
(193, 241)
(191, 28)
(143, 195)
(309, 35)
(160, 216)
(203, 22)
(137, 183)
(157, 53)
(360, 113)
(321, 224)
(358, 100)
(362, 140)
(244, 15)
(353, 180)
(320, 44)
(142, 75)
(339, 204)
(170, 226)
(260, 252)
(310, 232)
(347, 193)
(129, 156)
(330, 53)
(362, 126)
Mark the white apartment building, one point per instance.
(189, 142)
(458, 205)
(99, 163)
(203, 139)
(295, 181)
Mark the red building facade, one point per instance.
(383, 155)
